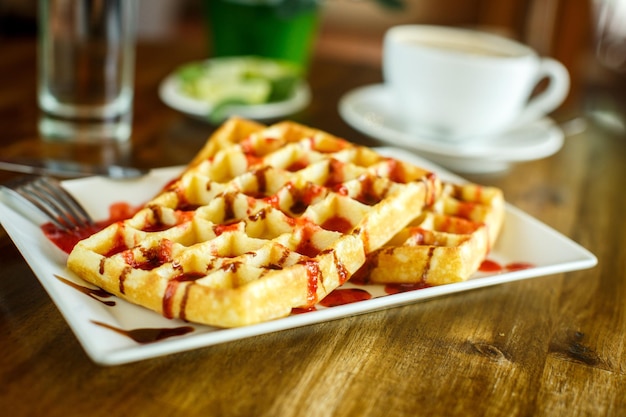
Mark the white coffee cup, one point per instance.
(461, 84)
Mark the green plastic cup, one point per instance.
(254, 27)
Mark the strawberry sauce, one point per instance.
(67, 240)
(344, 296)
(491, 266)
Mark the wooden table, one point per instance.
(554, 345)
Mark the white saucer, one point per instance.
(371, 110)
(169, 92)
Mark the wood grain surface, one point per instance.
(550, 346)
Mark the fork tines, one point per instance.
(49, 196)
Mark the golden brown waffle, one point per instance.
(445, 244)
(262, 221)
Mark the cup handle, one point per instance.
(552, 97)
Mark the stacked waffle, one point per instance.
(267, 219)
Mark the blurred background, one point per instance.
(588, 36)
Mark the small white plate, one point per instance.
(371, 110)
(523, 239)
(169, 92)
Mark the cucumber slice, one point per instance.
(215, 91)
(244, 80)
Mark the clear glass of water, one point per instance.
(86, 69)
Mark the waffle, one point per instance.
(446, 243)
(263, 220)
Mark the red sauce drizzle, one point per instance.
(341, 189)
(418, 235)
(229, 206)
(182, 203)
(341, 269)
(230, 267)
(303, 198)
(122, 278)
(335, 173)
(252, 160)
(154, 257)
(431, 250)
(302, 310)
(399, 288)
(489, 265)
(430, 180)
(168, 298)
(478, 193)
(337, 224)
(313, 276)
(259, 215)
(183, 304)
(121, 211)
(298, 164)
(181, 217)
(171, 185)
(361, 275)
(93, 293)
(312, 192)
(273, 201)
(67, 240)
(518, 266)
(368, 195)
(396, 171)
(162, 253)
(247, 146)
(465, 209)
(119, 245)
(344, 296)
(148, 335)
(306, 246)
(170, 292)
(281, 261)
(298, 207)
(156, 227)
(218, 229)
(261, 180)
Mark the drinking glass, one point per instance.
(86, 69)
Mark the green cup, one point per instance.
(283, 29)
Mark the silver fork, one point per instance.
(49, 197)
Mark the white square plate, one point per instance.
(523, 239)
